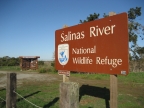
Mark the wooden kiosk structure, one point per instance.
(29, 62)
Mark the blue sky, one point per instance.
(27, 27)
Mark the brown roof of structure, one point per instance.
(29, 56)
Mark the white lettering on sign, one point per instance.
(72, 36)
(83, 50)
(96, 31)
(107, 61)
(82, 60)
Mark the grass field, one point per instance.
(94, 91)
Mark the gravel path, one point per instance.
(24, 76)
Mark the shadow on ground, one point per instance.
(2, 89)
(20, 99)
(103, 93)
(51, 103)
(3, 103)
(45, 106)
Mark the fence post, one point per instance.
(69, 95)
(11, 86)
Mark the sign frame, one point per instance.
(99, 46)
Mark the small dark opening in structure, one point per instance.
(29, 62)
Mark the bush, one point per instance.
(40, 63)
(42, 70)
(52, 64)
(55, 70)
(49, 70)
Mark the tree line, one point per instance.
(9, 61)
(13, 61)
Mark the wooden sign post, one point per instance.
(113, 84)
(113, 91)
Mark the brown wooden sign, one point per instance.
(99, 46)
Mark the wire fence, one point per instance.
(2, 88)
(3, 100)
(27, 100)
(22, 98)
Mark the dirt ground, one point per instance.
(25, 76)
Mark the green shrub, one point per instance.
(54, 70)
(49, 70)
(42, 70)
(40, 63)
(52, 64)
